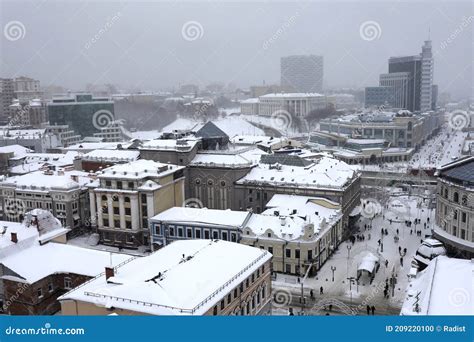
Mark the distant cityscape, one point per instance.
(277, 199)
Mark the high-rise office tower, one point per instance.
(419, 69)
(303, 73)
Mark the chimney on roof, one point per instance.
(14, 237)
(109, 272)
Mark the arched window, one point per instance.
(445, 193)
(456, 197)
(127, 199)
(464, 200)
(104, 198)
(198, 181)
(210, 182)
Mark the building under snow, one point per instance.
(443, 288)
(36, 266)
(185, 278)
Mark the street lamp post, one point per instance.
(348, 256)
(333, 268)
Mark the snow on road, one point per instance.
(348, 257)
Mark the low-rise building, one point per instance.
(174, 151)
(185, 278)
(183, 223)
(443, 288)
(125, 196)
(101, 159)
(324, 177)
(300, 232)
(62, 192)
(36, 266)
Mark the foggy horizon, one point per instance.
(144, 45)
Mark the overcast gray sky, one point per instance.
(143, 45)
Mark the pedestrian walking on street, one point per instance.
(400, 249)
(373, 310)
(311, 294)
(368, 310)
(401, 261)
(321, 290)
(397, 231)
(330, 307)
(386, 263)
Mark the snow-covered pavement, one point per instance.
(349, 256)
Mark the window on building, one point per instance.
(67, 283)
(128, 211)
(270, 249)
(189, 233)
(310, 255)
(157, 229)
(180, 232)
(463, 234)
(39, 292)
(214, 311)
(288, 253)
(224, 236)
(198, 233)
(235, 293)
(288, 268)
(119, 185)
(456, 197)
(116, 211)
(128, 224)
(116, 223)
(222, 304)
(50, 286)
(229, 298)
(171, 231)
(127, 199)
(108, 183)
(297, 253)
(130, 186)
(463, 217)
(206, 234)
(233, 237)
(215, 234)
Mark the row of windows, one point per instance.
(119, 184)
(210, 182)
(196, 233)
(455, 198)
(67, 286)
(241, 288)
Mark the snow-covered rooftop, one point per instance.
(443, 288)
(203, 216)
(221, 159)
(179, 279)
(139, 169)
(40, 261)
(112, 155)
(324, 172)
(17, 150)
(185, 144)
(290, 95)
(45, 181)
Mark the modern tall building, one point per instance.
(7, 94)
(303, 73)
(420, 80)
(411, 79)
(82, 112)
